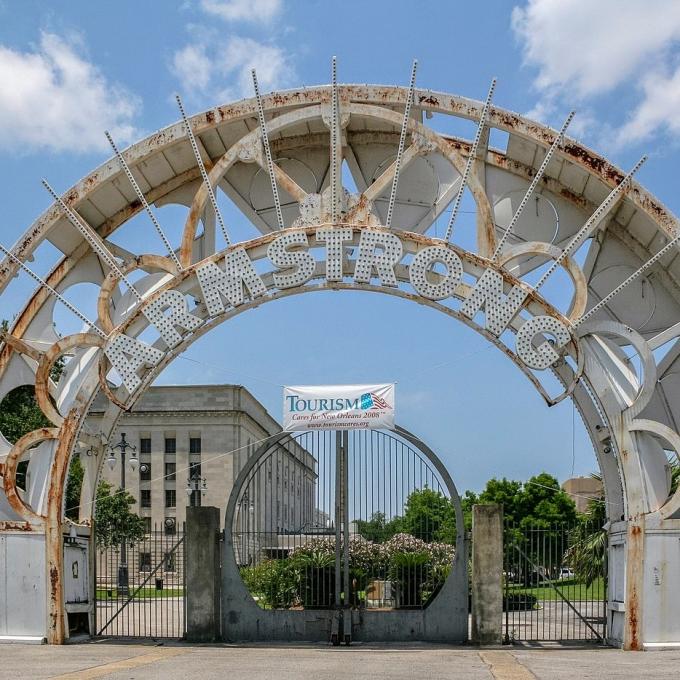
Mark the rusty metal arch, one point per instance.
(638, 227)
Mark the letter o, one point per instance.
(423, 261)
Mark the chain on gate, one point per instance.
(141, 588)
(555, 583)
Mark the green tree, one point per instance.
(543, 503)
(506, 492)
(468, 499)
(430, 516)
(675, 475)
(20, 414)
(114, 518)
(539, 502)
(76, 472)
(378, 529)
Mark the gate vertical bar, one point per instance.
(347, 620)
(338, 514)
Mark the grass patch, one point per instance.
(144, 593)
(571, 589)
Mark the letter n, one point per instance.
(499, 310)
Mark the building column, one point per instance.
(487, 574)
(202, 574)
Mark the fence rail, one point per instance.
(555, 584)
(141, 588)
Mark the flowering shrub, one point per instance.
(416, 567)
(367, 555)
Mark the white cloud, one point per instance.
(658, 109)
(226, 76)
(255, 11)
(52, 98)
(192, 66)
(593, 46)
(584, 48)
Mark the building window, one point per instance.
(145, 498)
(195, 499)
(170, 498)
(169, 561)
(147, 525)
(194, 444)
(170, 445)
(144, 561)
(170, 472)
(145, 472)
(145, 445)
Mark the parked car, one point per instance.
(565, 573)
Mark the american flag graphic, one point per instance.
(378, 402)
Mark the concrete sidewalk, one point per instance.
(321, 662)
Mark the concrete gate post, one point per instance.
(203, 574)
(487, 574)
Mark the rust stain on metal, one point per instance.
(54, 538)
(16, 526)
(54, 579)
(380, 94)
(42, 375)
(10, 469)
(634, 584)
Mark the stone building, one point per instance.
(208, 432)
(582, 490)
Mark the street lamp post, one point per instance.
(123, 445)
(195, 484)
(247, 510)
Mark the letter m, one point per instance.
(499, 309)
(229, 283)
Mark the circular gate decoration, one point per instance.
(326, 521)
(280, 158)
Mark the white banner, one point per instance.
(338, 407)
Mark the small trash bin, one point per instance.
(159, 584)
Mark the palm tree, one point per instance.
(588, 545)
(587, 552)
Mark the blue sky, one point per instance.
(70, 70)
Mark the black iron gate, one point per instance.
(345, 536)
(555, 584)
(140, 588)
